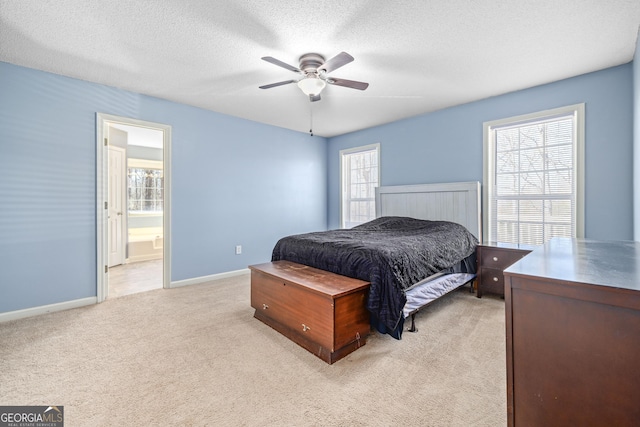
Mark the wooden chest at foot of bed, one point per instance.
(321, 311)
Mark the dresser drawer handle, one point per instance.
(265, 306)
(495, 258)
(495, 279)
(305, 328)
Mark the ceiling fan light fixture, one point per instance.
(311, 85)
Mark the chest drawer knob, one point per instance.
(495, 258)
(265, 306)
(305, 328)
(495, 279)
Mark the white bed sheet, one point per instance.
(424, 293)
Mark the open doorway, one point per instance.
(135, 191)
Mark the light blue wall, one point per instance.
(636, 141)
(447, 145)
(234, 182)
(241, 182)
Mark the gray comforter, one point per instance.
(392, 253)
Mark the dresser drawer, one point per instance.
(499, 258)
(300, 310)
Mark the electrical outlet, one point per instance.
(238, 249)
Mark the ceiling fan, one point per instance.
(314, 69)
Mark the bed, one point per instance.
(420, 247)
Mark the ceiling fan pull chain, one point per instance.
(310, 119)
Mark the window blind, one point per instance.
(360, 176)
(533, 188)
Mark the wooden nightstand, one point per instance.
(492, 259)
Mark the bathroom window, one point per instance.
(145, 190)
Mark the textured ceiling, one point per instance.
(418, 56)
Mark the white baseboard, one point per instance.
(43, 309)
(197, 280)
(35, 311)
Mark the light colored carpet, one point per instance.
(195, 356)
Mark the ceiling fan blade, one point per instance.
(279, 63)
(336, 62)
(348, 83)
(314, 98)
(277, 84)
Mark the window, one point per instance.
(145, 186)
(534, 177)
(360, 175)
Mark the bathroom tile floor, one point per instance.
(136, 277)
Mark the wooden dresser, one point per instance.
(321, 311)
(573, 335)
(492, 259)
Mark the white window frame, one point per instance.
(489, 149)
(343, 178)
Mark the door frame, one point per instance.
(102, 120)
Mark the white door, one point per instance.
(116, 205)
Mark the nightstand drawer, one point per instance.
(492, 280)
(492, 260)
(499, 258)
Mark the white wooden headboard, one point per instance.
(458, 202)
